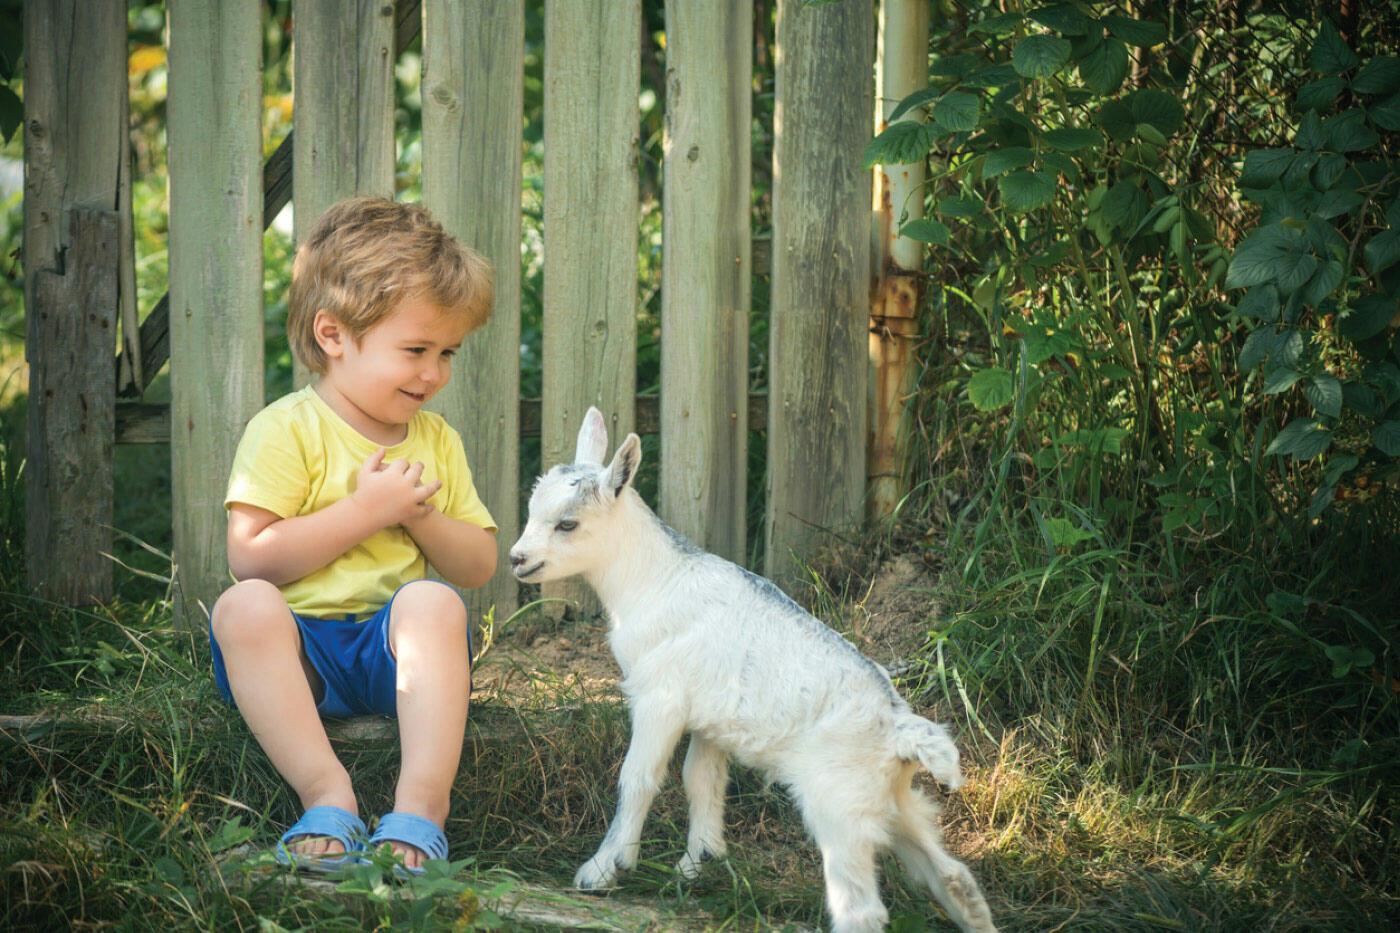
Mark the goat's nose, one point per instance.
(516, 558)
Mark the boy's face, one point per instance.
(397, 365)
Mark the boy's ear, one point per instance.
(592, 439)
(329, 333)
(623, 469)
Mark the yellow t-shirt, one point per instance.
(298, 456)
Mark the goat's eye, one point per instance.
(566, 525)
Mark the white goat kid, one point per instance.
(708, 648)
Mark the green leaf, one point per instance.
(1336, 202)
(11, 113)
(1157, 108)
(1378, 76)
(958, 206)
(1324, 392)
(1000, 161)
(1040, 56)
(1323, 282)
(1124, 206)
(925, 230)
(1072, 138)
(1319, 94)
(1280, 380)
(1065, 533)
(1062, 18)
(1366, 317)
(1303, 439)
(1003, 25)
(1346, 658)
(1025, 191)
(1260, 303)
(900, 143)
(1348, 132)
(1330, 55)
(1263, 167)
(1387, 115)
(1062, 164)
(920, 97)
(990, 389)
(1136, 31)
(957, 112)
(995, 76)
(1269, 254)
(1117, 120)
(1104, 69)
(1310, 135)
(1382, 251)
(1095, 440)
(955, 66)
(1386, 437)
(1329, 168)
(1362, 399)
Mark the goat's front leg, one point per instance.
(657, 724)
(706, 772)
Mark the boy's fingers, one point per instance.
(427, 492)
(415, 472)
(376, 460)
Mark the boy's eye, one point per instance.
(416, 351)
(566, 525)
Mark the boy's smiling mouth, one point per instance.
(416, 396)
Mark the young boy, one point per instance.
(341, 494)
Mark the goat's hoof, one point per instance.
(595, 874)
(688, 868)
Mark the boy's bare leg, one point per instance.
(272, 682)
(428, 635)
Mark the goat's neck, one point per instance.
(644, 557)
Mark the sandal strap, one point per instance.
(413, 830)
(332, 822)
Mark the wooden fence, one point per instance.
(831, 311)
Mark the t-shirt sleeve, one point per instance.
(269, 468)
(461, 500)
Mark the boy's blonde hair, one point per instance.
(367, 255)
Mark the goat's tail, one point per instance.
(918, 739)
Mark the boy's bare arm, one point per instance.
(263, 545)
(462, 552)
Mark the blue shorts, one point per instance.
(358, 672)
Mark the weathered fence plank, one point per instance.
(821, 272)
(898, 290)
(592, 74)
(76, 155)
(343, 89)
(71, 324)
(705, 275)
(473, 99)
(216, 335)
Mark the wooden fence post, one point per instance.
(343, 90)
(216, 334)
(72, 326)
(473, 99)
(705, 275)
(592, 72)
(821, 274)
(898, 288)
(76, 162)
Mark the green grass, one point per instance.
(1156, 737)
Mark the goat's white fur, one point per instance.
(708, 648)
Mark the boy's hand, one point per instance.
(393, 492)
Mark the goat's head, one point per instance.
(572, 506)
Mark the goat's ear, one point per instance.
(623, 469)
(592, 439)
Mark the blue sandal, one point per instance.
(423, 834)
(332, 822)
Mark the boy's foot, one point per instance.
(326, 838)
(415, 838)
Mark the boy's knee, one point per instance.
(250, 610)
(430, 609)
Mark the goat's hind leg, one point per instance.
(850, 837)
(705, 774)
(656, 727)
(918, 843)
